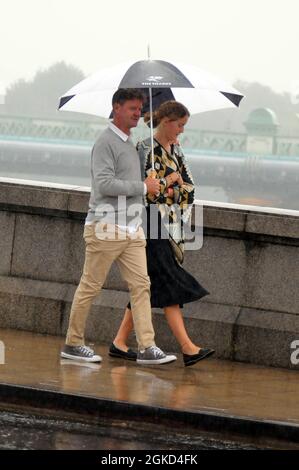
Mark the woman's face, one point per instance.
(172, 129)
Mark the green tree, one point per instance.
(40, 96)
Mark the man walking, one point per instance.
(112, 233)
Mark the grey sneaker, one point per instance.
(84, 353)
(154, 355)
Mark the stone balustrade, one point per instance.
(248, 262)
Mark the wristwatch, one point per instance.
(163, 181)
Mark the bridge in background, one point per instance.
(256, 167)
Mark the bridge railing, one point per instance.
(86, 131)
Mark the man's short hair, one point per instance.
(125, 94)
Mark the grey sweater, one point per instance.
(116, 183)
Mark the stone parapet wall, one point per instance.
(248, 262)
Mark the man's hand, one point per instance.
(153, 185)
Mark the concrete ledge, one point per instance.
(248, 263)
(72, 201)
(7, 224)
(265, 337)
(44, 307)
(250, 335)
(217, 218)
(100, 408)
(274, 225)
(33, 198)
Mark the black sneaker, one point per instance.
(84, 353)
(115, 352)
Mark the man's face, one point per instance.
(128, 113)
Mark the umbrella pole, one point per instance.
(152, 129)
(153, 173)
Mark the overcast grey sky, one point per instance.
(254, 40)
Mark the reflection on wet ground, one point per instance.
(27, 432)
(213, 385)
(215, 388)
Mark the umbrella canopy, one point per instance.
(197, 89)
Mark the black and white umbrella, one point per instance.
(197, 89)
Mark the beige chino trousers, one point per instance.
(105, 244)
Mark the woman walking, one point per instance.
(171, 285)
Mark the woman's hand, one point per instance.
(180, 180)
(170, 192)
(172, 178)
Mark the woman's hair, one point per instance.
(173, 110)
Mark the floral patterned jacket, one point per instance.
(175, 208)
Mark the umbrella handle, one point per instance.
(152, 174)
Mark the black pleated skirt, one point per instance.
(170, 283)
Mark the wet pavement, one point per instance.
(214, 395)
(30, 432)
